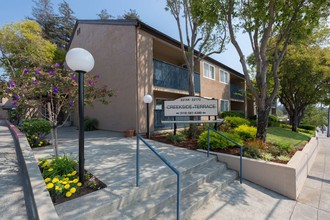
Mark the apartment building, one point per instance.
(136, 59)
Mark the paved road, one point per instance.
(12, 204)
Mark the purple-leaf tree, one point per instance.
(51, 91)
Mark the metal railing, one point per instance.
(174, 77)
(176, 171)
(241, 150)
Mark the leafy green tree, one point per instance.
(303, 74)
(104, 15)
(315, 115)
(200, 35)
(197, 31)
(271, 26)
(52, 90)
(22, 46)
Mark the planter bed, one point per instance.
(286, 179)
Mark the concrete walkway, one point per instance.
(12, 204)
(250, 201)
(108, 153)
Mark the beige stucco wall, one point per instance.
(213, 88)
(144, 80)
(114, 51)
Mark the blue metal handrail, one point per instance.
(176, 171)
(241, 150)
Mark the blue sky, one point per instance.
(152, 12)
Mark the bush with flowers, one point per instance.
(61, 177)
(36, 130)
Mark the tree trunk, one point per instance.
(191, 76)
(294, 121)
(54, 128)
(262, 124)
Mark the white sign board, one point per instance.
(191, 106)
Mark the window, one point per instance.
(224, 76)
(159, 104)
(208, 71)
(224, 105)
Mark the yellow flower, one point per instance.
(55, 180)
(64, 182)
(45, 164)
(57, 188)
(68, 194)
(73, 190)
(69, 174)
(67, 186)
(50, 169)
(74, 173)
(79, 184)
(50, 185)
(41, 142)
(47, 180)
(75, 180)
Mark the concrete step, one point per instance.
(197, 198)
(157, 190)
(197, 187)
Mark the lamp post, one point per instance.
(147, 99)
(80, 61)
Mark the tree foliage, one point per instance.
(50, 91)
(131, 14)
(104, 15)
(22, 46)
(304, 75)
(56, 28)
(200, 34)
(271, 26)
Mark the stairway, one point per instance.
(155, 198)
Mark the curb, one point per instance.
(38, 201)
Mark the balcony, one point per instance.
(173, 77)
(237, 92)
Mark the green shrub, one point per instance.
(217, 141)
(90, 124)
(234, 122)
(272, 118)
(251, 152)
(308, 127)
(58, 166)
(246, 132)
(176, 138)
(231, 114)
(36, 130)
(283, 158)
(266, 156)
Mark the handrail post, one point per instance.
(178, 198)
(208, 141)
(241, 165)
(241, 150)
(137, 161)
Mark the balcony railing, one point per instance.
(173, 77)
(237, 92)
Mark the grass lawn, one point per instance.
(286, 138)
